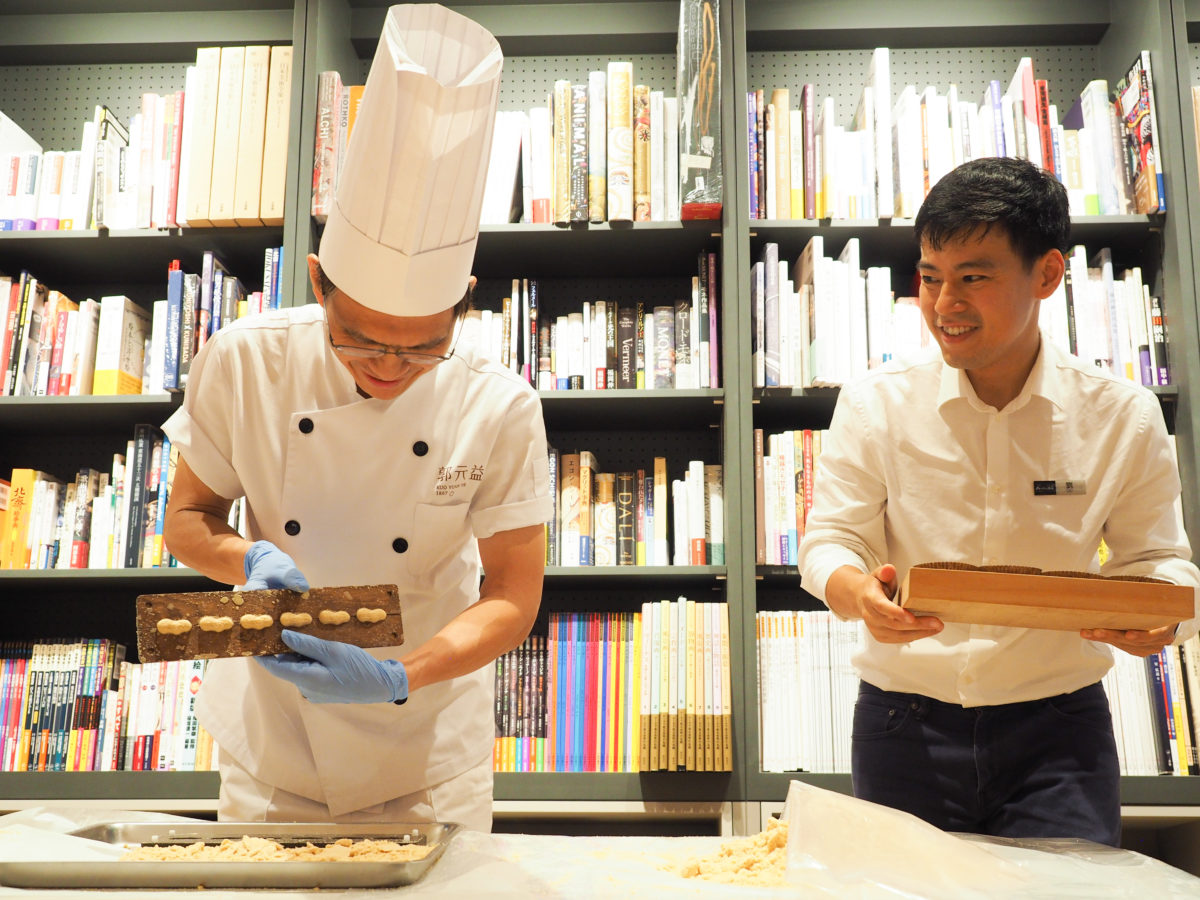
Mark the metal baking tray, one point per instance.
(296, 875)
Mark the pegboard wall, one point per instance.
(528, 80)
(52, 102)
(841, 74)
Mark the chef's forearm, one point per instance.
(484, 631)
(207, 544)
(515, 563)
(196, 529)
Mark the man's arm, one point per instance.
(197, 532)
(854, 594)
(514, 562)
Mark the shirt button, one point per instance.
(400, 545)
(306, 425)
(420, 448)
(292, 527)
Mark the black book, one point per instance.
(135, 480)
(627, 332)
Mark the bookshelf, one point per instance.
(58, 50)
(786, 45)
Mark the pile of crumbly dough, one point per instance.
(757, 860)
(256, 849)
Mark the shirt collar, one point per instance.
(954, 384)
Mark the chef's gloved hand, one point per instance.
(333, 672)
(269, 567)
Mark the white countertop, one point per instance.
(477, 865)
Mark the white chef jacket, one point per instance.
(916, 468)
(360, 491)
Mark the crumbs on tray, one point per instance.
(256, 849)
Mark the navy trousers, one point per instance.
(1043, 768)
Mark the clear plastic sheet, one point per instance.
(851, 849)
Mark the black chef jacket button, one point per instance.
(292, 527)
(306, 425)
(420, 448)
(400, 545)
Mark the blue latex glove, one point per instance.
(269, 567)
(333, 672)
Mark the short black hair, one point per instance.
(1024, 201)
(461, 308)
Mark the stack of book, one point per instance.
(71, 705)
(211, 154)
(1156, 705)
(785, 469)
(887, 156)
(622, 518)
(52, 346)
(619, 692)
(602, 151)
(830, 323)
(97, 520)
(806, 691)
(835, 320)
(606, 345)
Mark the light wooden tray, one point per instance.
(1060, 602)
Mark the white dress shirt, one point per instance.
(916, 468)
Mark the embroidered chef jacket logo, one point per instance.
(451, 478)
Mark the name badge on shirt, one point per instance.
(1044, 488)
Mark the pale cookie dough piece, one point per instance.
(173, 626)
(215, 623)
(370, 616)
(256, 623)
(295, 620)
(333, 616)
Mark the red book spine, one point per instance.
(1045, 133)
(176, 138)
(591, 672)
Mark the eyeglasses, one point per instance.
(413, 357)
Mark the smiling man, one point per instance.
(990, 729)
(373, 448)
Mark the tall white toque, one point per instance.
(400, 237)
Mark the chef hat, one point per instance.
(400, 237)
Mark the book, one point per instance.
(111, 139)
(83, 362)
(626, 519)
(570, 526)
(138, 485)
(597, 146)
(226, 137)
(1135, 102)
(560, 198)
(120, 337)
(619, 100)
(325, 159)
(499, 194)
(200, 115)
(275, 137)
(252, 123)
(541, 162)
(27, 336)
(578, 181)
(587, 470)
(641, 153)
